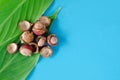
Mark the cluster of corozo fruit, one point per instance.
(34, 38)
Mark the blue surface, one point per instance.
(89, 42)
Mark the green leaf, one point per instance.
(17, 67)
(29, 10)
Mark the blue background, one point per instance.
(89, 42)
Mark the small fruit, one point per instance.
(26, 50)
(24, 25)
(39, 29)
(12, 48)
(52, 40)
(46, 51)
(45, 20)
(27, 37)
(41, 40)
(35, 47)
(38, 25)
(39, 32)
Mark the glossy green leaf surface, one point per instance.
(18, 67)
